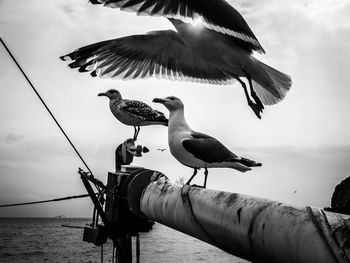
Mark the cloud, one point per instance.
(333, 14)
(20, 152)
(67, 9)
(14, 137)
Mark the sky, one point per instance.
(303, 142)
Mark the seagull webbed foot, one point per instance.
(257, 99)
(252, 91)
(256, 108)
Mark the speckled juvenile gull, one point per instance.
(198, 150)
(133, 112)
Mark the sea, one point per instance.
(46, 240)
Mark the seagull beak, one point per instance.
(102, 94)
(158, 100)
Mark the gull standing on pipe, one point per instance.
(198, 150)
(213, 44)
(133, 112)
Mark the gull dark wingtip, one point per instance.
(95, 2)
(65, 58)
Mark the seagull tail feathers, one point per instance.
(161, 119)
(242, 164)
(164, 122)
(270, 84)
(248, 162)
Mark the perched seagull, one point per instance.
(213, 44)
(198, 150)
(133, 112)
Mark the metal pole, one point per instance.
(94, 199)
(124, 243)
(124, 249)
(252, 228)
(138, 248)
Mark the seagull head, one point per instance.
(111, 94)
(172, 103)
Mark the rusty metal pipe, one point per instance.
(252, 228)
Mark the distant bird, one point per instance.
(213, 44)
(162, 150)
(198, 150)
(133, 112)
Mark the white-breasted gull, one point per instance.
(133, 112)
(198, 150)
(213, 44)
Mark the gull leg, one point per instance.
(252, 92)
(205, 177)
(193, 175)
(254, 106)
(136, 132)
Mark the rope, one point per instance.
(43, 102)
(46, 201)
(329, 228)
(320, 232)
(346, 224)
(187, 195)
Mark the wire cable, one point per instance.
(47, 201)
(43, 102)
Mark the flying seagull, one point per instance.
(133, 112)
(161, 149)
(212, 44)
(198, 150)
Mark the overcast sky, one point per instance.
(303, 142)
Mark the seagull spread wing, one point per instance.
(207, 148)
(141, 110)
(158, 53)
(217, 15)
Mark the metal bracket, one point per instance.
(93, 197)
(126, 151)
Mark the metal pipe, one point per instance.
(252, 228)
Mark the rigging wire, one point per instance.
(91, 178)
(47, 108)
(50, 200)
